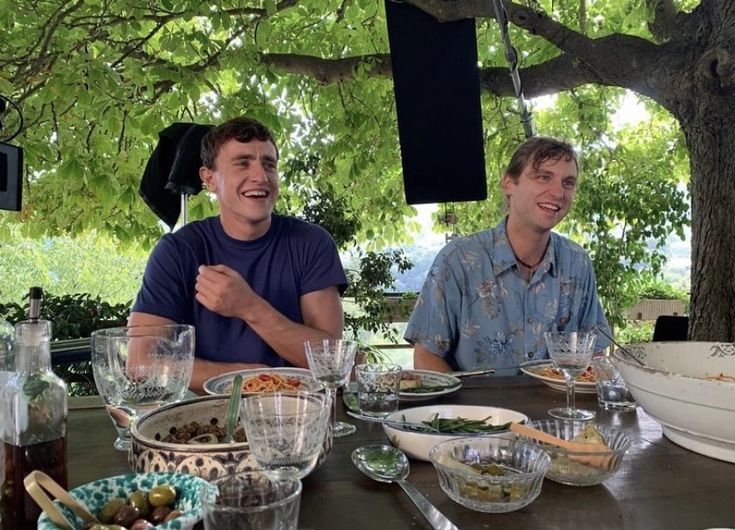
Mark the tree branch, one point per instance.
(327, 71)
(664, 23)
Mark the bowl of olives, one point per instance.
(188, 437)
(165, 501)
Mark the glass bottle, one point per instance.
(33, 410)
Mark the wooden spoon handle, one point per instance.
(542, 436)
(36, 482)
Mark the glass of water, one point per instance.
(286, 430)
(251, 501)
(378, 388)
(612, 392)
(137, 369)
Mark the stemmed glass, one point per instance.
(330, 362)
(139, 368)
(571, 353)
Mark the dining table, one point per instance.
(659, 485)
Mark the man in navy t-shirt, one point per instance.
(255, 284)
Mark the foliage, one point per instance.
(661, 290)
(90, 262)
(72, 316)
(367, 284)
(632, 331)
(97, 81)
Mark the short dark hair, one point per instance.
(241, 129)
(537, 150)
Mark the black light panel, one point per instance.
(437, 90)
(11, 177)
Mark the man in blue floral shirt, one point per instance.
(490, 296)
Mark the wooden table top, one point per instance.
(659, 486)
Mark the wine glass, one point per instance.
(571, 353)
(286, 430)
(137, 369)
(330, 362)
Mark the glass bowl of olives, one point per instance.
(490, 474)
(138, 501)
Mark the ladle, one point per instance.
(36, 482)
(385, 463)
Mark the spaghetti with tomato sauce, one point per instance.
(270, 383)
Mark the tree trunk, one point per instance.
(711, 142)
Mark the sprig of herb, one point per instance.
(458, 425)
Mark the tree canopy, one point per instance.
(97, 79)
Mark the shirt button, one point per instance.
(530, 355)
(530, 320)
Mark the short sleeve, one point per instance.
(163, 292)
(322, 266)
(434, 322)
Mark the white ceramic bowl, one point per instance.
(94, 495)
(676, 388)
(418, 444)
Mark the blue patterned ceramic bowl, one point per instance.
(94, 495)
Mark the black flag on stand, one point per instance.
(437, 88)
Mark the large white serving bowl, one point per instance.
(676, 387)
(418, 444)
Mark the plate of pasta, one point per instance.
(258, 380)
(545, 371)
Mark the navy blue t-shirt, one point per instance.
(293, 258)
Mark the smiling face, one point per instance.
(244, 177)
(541, 196)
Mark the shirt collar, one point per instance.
(505, 259)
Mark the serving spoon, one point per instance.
(385, 463)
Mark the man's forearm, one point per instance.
(204, 370)
(285, 336)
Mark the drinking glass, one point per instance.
(7, 359)
(330, 362)
(571, 353)
(286, 430)
(137, 369)
(251, 501)
(378, 388)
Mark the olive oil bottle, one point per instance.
(33, 413)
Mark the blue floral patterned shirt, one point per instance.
(476, 310)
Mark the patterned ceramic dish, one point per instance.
(207, 460)
(557, 383)
(222, 384)
(94, 495)
(689, 388)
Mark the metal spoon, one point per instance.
(620, 347)
(385, 463)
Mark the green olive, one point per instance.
(139, 499)
(108, 511)
(162, 495)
